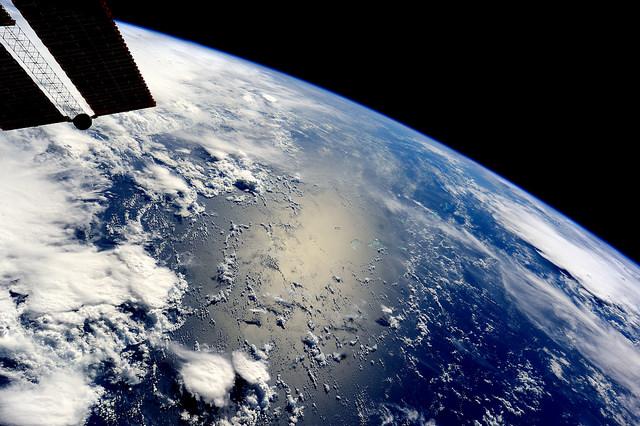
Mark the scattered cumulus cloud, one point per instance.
(63, 398)
(209, 377)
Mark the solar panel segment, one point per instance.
(5, 18)
(85, 41)
(22, 103)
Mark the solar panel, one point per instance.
(85, 41)
(5, 18)
(22, 103)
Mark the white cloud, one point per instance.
(596, 266)
(571, 323)
(250, 370)
(560, 307)
(158, 181)
(210, 377)
(69, 290)
(388, 318)
(207, 376)
(61, 399)
(563, 309)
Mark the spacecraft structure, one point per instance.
(86, 44)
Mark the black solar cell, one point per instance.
(22, 103)
(5, 18)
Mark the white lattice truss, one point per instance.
(14, 39)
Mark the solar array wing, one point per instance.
(85, 41)
(5, 18)
(22, 103)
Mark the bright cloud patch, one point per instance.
(207, 376)
(63, 398)
(603, 272)
(210, 377)
(250, 370)
(70, 291)
(158, 181)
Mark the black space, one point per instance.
(541, 96)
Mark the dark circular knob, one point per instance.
(82, 121)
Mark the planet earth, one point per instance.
(256, 250)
